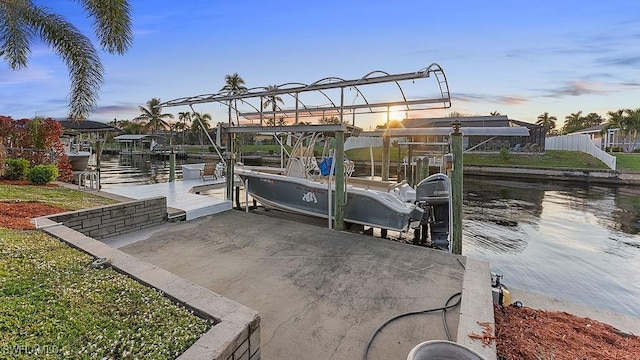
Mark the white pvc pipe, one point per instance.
(372, 163)
(246, 195)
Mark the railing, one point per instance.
(580, 143)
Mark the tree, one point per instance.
(200, 125)
(153, 116)
(115, 123)
(234, 85)
(329, 120)
(21, 21)
(272, 100)
(548, 122)
(185, 117)
(628, 124)
(573, 122)
(392, 124)
(592, 119)
(281, 122)
(131, 127)
(632, 121)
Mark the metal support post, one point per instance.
(456, 188)
(340, 181)
(172, 166)
(230, 161)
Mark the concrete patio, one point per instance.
(320, 294)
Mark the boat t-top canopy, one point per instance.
(444, 131)
(361, 104)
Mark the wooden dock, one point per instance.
(181, 196)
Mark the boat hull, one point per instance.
(79, 160)
(365, 207)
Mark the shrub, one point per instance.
(504, 154)
(17, 169)
(3, 156)
(43, 174)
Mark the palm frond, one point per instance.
(112, 23)
(77, 52)
(15, 37)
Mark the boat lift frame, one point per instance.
(335, 108)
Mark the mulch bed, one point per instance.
(18, 214)
(23, 183)
(525, 333)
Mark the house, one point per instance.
(604, 140)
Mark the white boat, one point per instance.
(78, 159)
(306, 187)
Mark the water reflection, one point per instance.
(116, 170)
(572, 241)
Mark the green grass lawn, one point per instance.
(54, 305)
(55, 196)
(628, 162)
(549, 159)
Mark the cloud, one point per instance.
(626, 61)
(579, 88)
(29, 74)
(494, 99)
(116, 110)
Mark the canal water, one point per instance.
(573, 241)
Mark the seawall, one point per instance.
(584, 175)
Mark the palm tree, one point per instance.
(152, 114)
(131, 127)
(616, 121)
(234, 85)
(200, 125)
(272, 100)
(21, 21)
(548, 122)
(633, 127)
(573, 122)
(329, 120)
(184, 116)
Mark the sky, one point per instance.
(519, 58)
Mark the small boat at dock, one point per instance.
(306, 187)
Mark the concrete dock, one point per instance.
(320, 294)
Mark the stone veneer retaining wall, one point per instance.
(116, 219)
(236, 334)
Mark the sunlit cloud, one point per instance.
(577, 88)
(115, 110)
(494, 99)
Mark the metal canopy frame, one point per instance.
(334, 107)
(445, 131)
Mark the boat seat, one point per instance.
(208, 170)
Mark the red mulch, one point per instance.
(525, 333)
(17, 214)
(23, 183)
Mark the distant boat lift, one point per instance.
(335, 107)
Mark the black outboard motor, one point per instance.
(433, 195)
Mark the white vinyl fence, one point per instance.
(580, 143)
